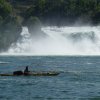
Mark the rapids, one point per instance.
(59, 41)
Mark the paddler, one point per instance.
(26, 72)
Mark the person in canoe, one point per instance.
(26, 71)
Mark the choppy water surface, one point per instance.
(79, 78)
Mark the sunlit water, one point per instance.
(79, 78)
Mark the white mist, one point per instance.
(59, 41)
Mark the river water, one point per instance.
(79, 78)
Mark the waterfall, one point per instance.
(59, 41)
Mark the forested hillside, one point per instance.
(59, 12)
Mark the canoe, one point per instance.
(35, 74)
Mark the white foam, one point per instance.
(59, 41)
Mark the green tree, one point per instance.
(5, 8)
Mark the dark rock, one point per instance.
(34, 27)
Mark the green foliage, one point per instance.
(52, 11)
(10, 26)
(5, 8)
(10, 30)
(33, 21)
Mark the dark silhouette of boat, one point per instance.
(49, 73)
(26, 72)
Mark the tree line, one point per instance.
(65, 11)
(53, 12)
